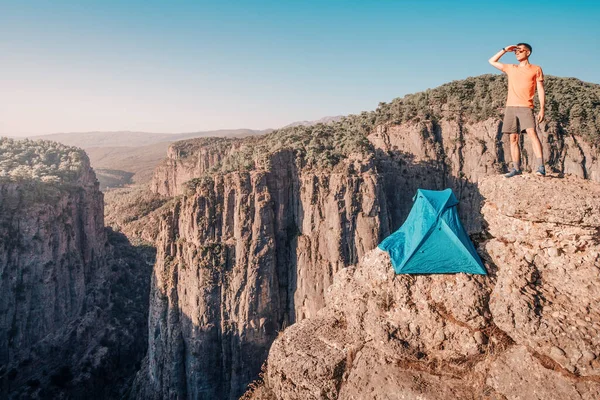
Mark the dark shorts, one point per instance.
(517, 119)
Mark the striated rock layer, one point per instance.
(529, 330)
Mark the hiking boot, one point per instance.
(513, 172)
(541, 171)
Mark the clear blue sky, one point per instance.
(182, 66)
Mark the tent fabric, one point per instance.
(432, 240)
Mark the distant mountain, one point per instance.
(137, 162)
(324, 120)
(124, 157)
(86, 140)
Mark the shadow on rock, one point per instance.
(96, 355)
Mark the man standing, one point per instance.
(522, 82)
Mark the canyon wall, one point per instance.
(53, 245)
(242, 257)
(73, 295)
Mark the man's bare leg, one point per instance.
(537, 150)
(515, 152)
(535, 142)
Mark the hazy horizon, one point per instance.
(199, 66)
(25, 134)
(123, 131)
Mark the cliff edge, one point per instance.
(529, 330)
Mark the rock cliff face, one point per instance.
(243, 256)
(71, 293)
(189, 159)
(473, 149)
(53, 245)
(528, 330)
(457, 154)
(252, 242)
(449, 152)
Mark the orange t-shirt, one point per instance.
(521, 84)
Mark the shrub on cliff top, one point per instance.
(572, 103)
(316, 146)
(40, 160)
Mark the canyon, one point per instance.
(253, 261)
(258, 229)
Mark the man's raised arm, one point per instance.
(496, 57)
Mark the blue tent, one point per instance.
(432, 240)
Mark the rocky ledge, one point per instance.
(528, 330)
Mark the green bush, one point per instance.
(570, 102)
(40, 160)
